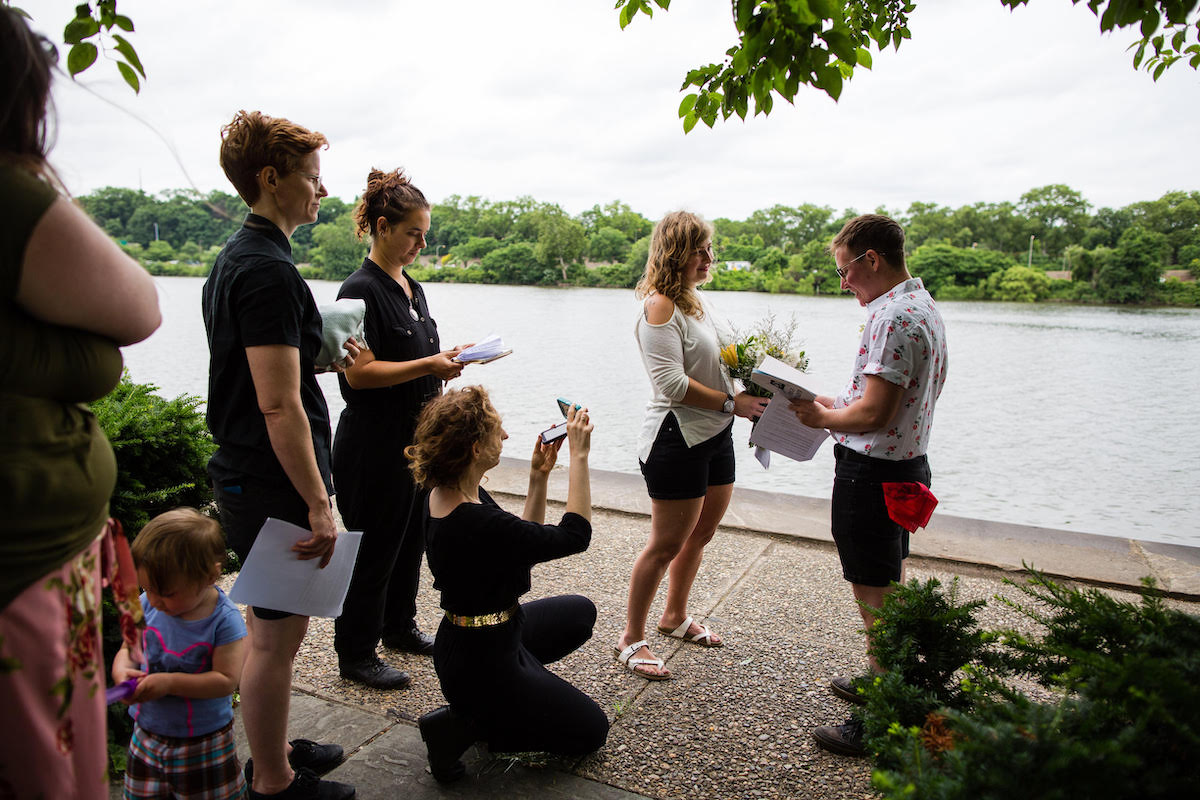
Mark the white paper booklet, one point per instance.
(272, 576)
(776, 376)
(491, 348)
(779, 431)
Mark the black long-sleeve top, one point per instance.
(481, 555)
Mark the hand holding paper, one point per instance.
(491, 348)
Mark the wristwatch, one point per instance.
(728, 407)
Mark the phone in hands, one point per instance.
(556, 432)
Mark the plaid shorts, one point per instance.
(177, 766)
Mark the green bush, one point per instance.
(1124, 721)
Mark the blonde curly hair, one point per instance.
(675, 238)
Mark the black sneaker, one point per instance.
(412, 640)
(845, 739)
(847, 689)
(306, 754)
(373, 671)
(307, 786)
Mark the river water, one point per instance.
(1080, 418)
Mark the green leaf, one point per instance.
(82, 56)
(687, 105)
(1158, 71)
(740, 65)
(689, 122)
(627, 14)
(864, 58)
(80, 28)
(126, 49)
(841, 45)
(124, 23)
(663, 4)
(130, 76)
(743, 11)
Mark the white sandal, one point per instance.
(630, 663)
(703, 638)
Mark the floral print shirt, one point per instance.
(903, 342)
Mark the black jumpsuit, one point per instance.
(481, 556)
(375, 491)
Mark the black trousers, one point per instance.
(495, 677)
(376, 495)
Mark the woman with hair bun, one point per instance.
(384, 391)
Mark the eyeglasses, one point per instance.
(841, 271)
(315, 180)
(705, 253)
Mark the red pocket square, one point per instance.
(910, 505)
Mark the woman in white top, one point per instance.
(685, 447)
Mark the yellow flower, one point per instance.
(729, 355)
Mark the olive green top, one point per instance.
(57, 469)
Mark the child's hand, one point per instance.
(151, 687)
(121, 674)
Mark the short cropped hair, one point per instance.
(675, 238)
(390, 195)
(447, 430)
(253, 141)
(179, 547)
(873, 232)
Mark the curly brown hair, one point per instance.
(254, 140)
(447, 430)
(390, 195)
(180, 546)
(675, 238)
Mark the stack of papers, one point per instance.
(491, 348)
(778, 430)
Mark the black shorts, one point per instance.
(244, 507)
(675, 471)
(870, 545)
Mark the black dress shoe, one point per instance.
(307, 786)
(847, 689)
(412, 640)
(306, 754)
(373, 671)
(447, 736)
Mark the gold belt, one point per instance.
(482, 620)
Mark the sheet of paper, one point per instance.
(272, 576)
(779, 431)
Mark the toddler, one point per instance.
(194, 643)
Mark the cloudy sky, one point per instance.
(501, 99)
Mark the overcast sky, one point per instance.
(501, 99)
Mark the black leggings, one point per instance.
(494, 676)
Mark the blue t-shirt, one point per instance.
(172, 644)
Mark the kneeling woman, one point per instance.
(490, 651)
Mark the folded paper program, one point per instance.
(909, 504)
(489, 349)
(340, 320)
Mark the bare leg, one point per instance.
(684, 566)
(671, 521)
(266, 693)
(872, 596)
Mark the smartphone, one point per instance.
(554, 433)
(564, 406)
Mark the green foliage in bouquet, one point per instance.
(946, 721)
(742, 354)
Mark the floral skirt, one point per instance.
(52, 740)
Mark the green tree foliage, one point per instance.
(1131, 274)
(784, 44)
(943, 265)
(560, 239)
(1019, 284)
(514, 263)
(619, 216)
(475, 247)
(947, 722)
(1057, 216)
(608, 244)
(337, 251)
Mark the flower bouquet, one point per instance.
(746, 351)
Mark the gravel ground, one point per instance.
(735, 721)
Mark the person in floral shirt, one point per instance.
(881, 422)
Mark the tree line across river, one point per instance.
(1021, 251)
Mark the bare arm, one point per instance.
(875, 409)
(369, 373)
(220, 681)
(73, 274)
(275, 370)
(579, 486)
(540, 465)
